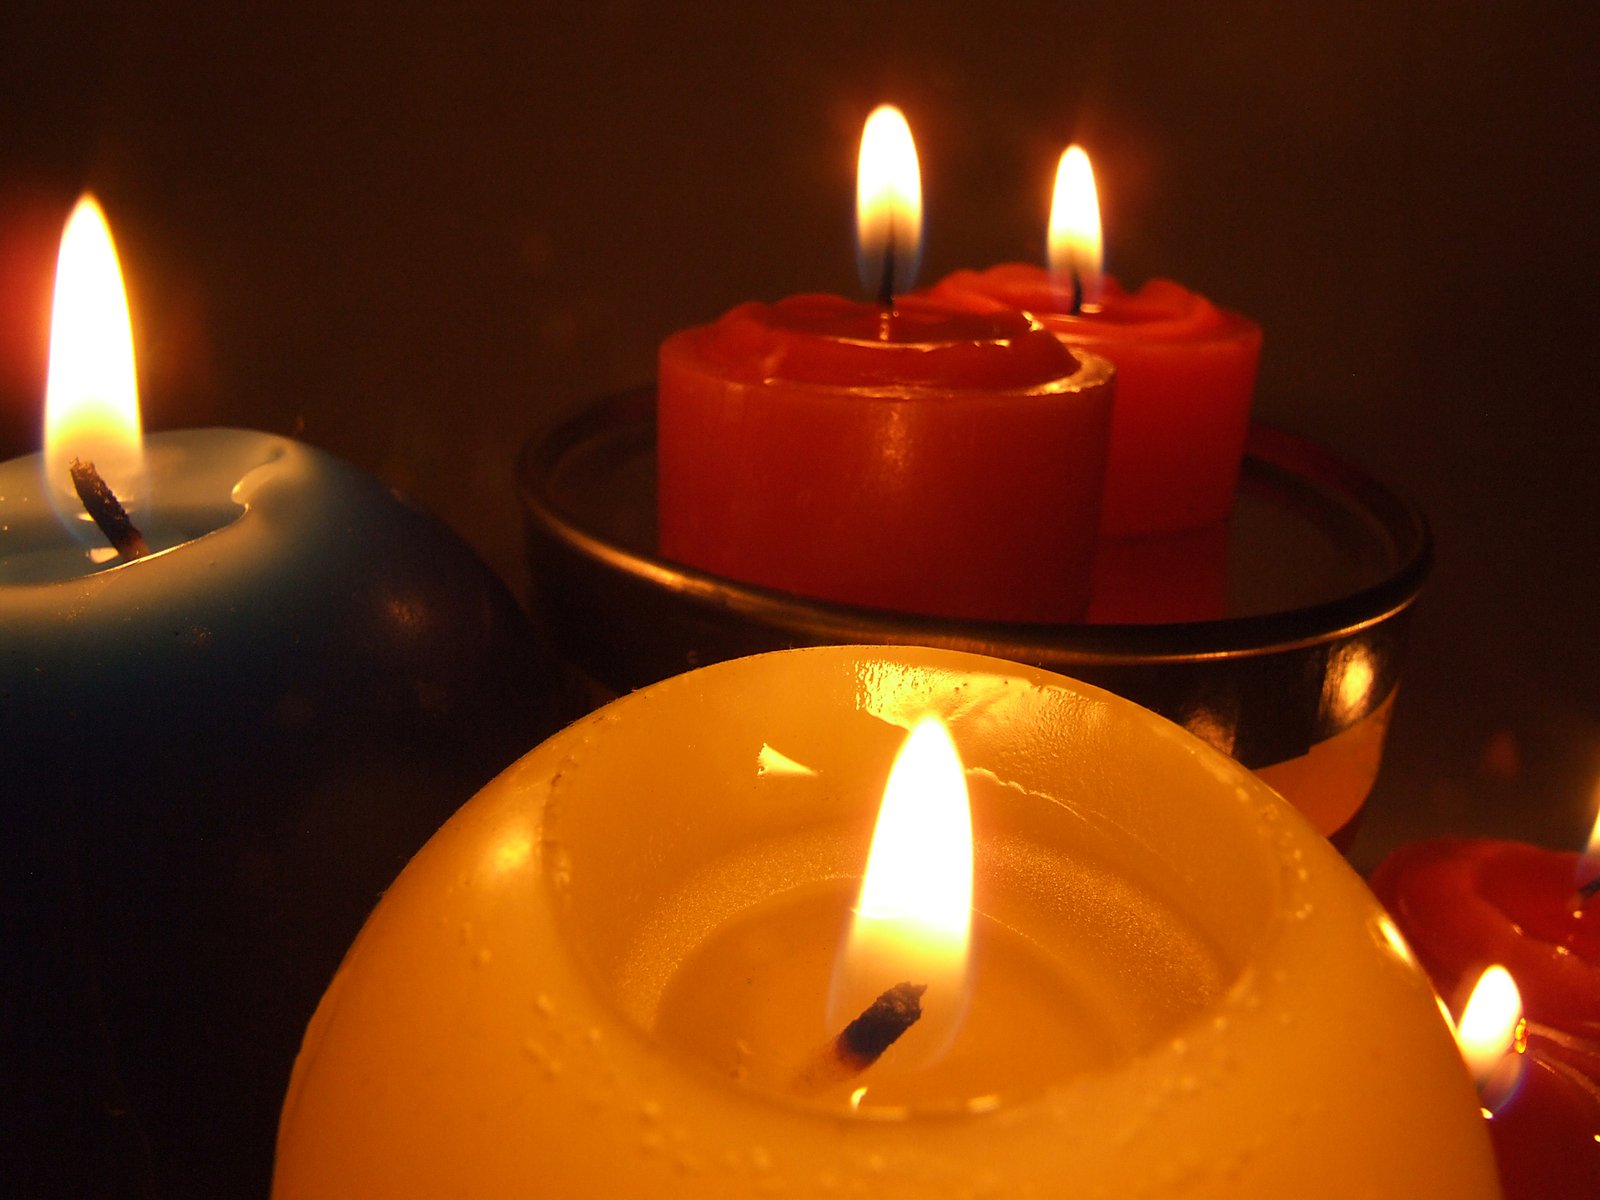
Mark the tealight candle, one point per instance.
(219, 754)
(545, 999)
(1186, 369)
(902, 454)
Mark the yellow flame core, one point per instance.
(1591, 855)
(888, 199)
(1076, 246)
(1489, 1024)
(91, 393)
(913, 919)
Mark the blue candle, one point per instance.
(215, 757)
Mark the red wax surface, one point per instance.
(1161, 580)
(1465, 904)
(928, 460)
(1186, 374)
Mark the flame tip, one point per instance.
(1077, 249)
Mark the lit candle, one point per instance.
(219, 753)
(1467, 903)
(900, 454)
(1175, 986)
(1186, 369)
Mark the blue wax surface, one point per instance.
(212, 762)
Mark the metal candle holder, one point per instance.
(1319, 565)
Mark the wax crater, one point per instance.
(1226, 1017)
(218, 477)
(1036, 1016)
(821, 339)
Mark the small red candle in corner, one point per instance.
(1467, 904)
(1186, 369)
(906, 454)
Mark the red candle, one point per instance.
(904, 454)
(1186, 369)
(1465, 904)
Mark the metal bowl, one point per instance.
(1276, 638)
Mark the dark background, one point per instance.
(414, 233)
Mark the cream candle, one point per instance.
(1221, 1008)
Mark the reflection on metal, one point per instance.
(1324, 563)
(1215, 721)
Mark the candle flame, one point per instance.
(913, 919)
(1076, 247)
(1492, 1035)
(91, 394)
(1589, 860)
(888, 205)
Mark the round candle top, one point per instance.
(1226, 1011)
(1077, 299)
(828, 340)
(1159, 311)
(1467, 903)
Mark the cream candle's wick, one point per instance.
(862, 1042)
(102, 504)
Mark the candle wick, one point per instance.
(1588, 890)
(886, 284)
(862, 1042)
(102, 504)
(1076, 307)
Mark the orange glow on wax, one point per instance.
(913, 919)
(888, 204)
(1076, 244)
(91, 396)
